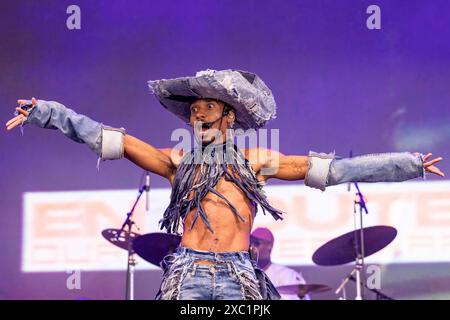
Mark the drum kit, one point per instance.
(350, 247)
(343, 250)
(151, 247)
(353, 246)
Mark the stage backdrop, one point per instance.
(62, 230)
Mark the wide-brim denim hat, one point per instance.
(252, 100)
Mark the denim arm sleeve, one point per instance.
(105, 141)
(326, 170)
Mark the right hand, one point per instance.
(17, 120)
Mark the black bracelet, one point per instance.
(25, 107)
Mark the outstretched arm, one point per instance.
(159, 161)
(322, 170)
(273, 164)
(109, 143)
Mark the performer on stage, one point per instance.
(262, 241)
(217, 187)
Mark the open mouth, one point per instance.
(206, 125)
(203, 129)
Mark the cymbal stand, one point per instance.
(359, 249)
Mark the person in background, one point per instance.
(262, 241)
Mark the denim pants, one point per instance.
(225, 276)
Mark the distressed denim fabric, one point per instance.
(99, 138)
(212, 163)
(382, 167)
(231, 276)
(77, 127)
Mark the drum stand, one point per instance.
(128, 223)
(359, 251)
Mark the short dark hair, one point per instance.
(227, 108)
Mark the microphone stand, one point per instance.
(359, 247)
(128, 223)
(147, 189)
(359, 250)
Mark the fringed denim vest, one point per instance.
(214, 162)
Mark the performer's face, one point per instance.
(209, 110)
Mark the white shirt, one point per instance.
(284, 276)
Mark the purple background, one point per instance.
(338, 85)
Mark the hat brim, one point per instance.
(252, 100)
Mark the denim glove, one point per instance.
(327, 170)
(106, 142)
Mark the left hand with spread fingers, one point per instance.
(429, 164)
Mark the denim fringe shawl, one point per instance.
(213, 161)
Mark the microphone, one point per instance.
(208, 125)
(147, 189)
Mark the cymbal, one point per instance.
(124, 239)
(153, 247)
(341, 250)
(302, 290)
